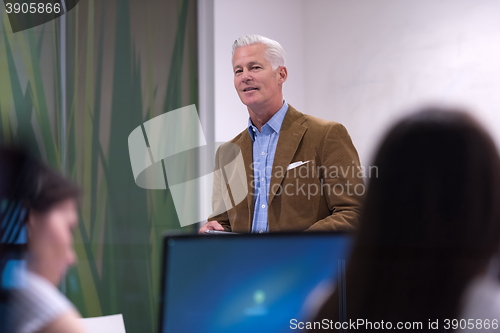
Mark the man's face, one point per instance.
(257, 84)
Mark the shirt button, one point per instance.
(261, 232)
(263, 153)
(262, 179)
(263, 206)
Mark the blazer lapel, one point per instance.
(291, 134)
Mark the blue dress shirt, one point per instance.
(264, 148)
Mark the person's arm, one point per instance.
(219, 219)
(344, 179)
(69, 321)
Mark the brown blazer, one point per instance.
(323, 194)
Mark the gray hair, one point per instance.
(274, 52)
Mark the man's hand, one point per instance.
(211, 225)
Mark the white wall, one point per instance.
(281, 20)
(366, 63)
(373, 61)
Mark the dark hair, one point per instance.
(33, 182)
(430, 224)
(51, 188)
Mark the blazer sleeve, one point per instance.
(220, 205)
(344, 181)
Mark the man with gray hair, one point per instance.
(302, 172)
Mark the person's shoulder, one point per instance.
(237, 141)
(36, 303)
(227, 151)
(34, 287)
(238, 137)
(315, 124)
(69, 321)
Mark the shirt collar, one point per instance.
(274, 123)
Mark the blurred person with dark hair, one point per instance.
(51, 202)
(431, 225)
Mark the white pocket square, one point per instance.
(296, 164)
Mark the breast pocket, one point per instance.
(301, 180)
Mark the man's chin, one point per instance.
(249, 103)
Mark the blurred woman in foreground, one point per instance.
(431, 224)
(37, 305)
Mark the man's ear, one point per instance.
(282, 74)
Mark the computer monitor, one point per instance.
(247, 283)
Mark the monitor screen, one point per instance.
(250, 283)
